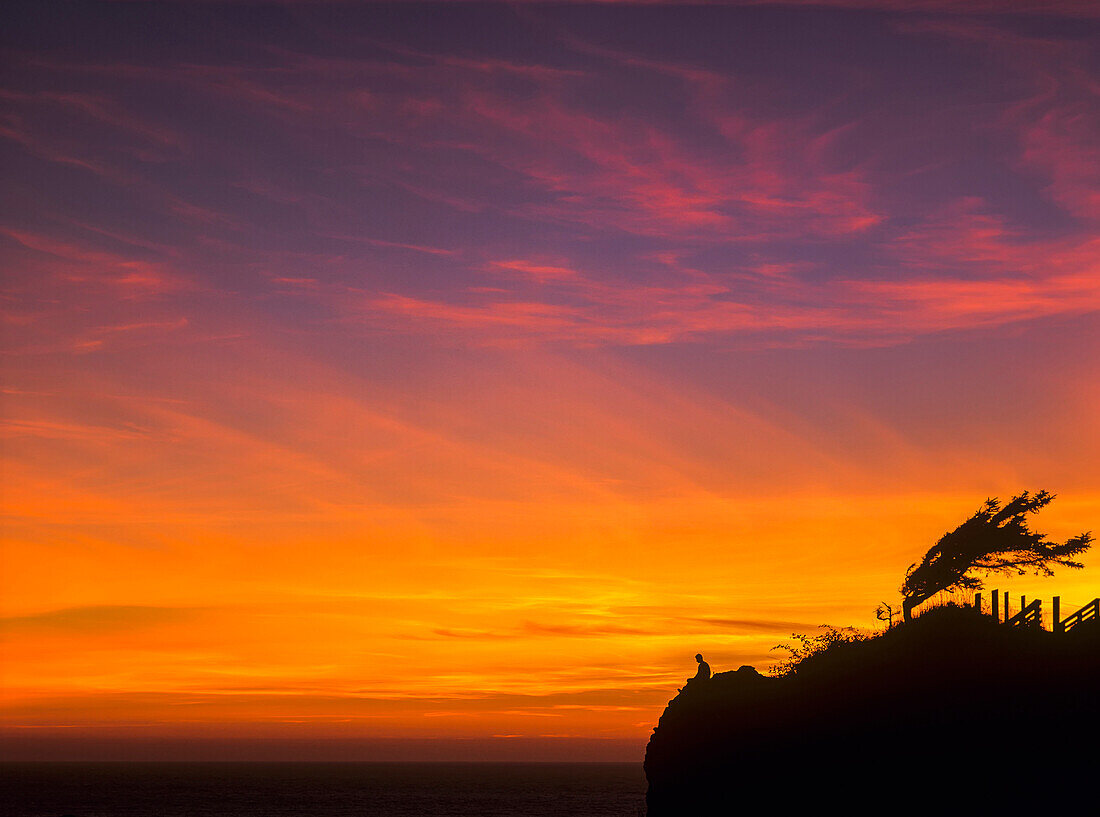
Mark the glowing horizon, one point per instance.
(382, 373)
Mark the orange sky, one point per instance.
(320, 560)
(487, 450)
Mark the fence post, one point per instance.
(994, 605)
(1056, 613)
(978, 602)
(1007, 616)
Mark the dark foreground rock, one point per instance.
(951, 713)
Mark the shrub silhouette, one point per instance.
(806, 646)
(994, 539)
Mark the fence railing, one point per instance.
(1090, 612)
(1031, 614)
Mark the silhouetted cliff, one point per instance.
(949, 713)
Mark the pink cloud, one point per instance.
(1056, 125)
(754, 181)
(377, 242)
(630, 175)
(132, 277)
(54, 154)
(960, 269)
(539, 272)
(1064, 145)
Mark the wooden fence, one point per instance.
(1031, 614)
(1090, 612)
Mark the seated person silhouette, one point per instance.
(704, 670)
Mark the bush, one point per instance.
(806, 646)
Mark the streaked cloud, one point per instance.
(95, 618)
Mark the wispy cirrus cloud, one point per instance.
(749, 185)
(101, 618)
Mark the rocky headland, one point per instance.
(950, 713)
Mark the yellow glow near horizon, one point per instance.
(310, 570)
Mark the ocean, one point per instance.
(329, 789)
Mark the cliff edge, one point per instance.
(950, 712)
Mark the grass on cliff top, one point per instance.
(941, 633)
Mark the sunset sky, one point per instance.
(435, 380)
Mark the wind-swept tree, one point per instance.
(994, 539)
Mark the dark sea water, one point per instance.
(301, 789)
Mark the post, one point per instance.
(978, 602)
(1007, 616)
(994, 605)
(1056, 613)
